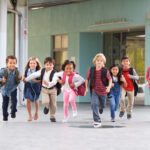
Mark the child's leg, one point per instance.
(45, 98)
(5, 106)
(122, 100)
(53, 98)
(29, 109)
(14, 102)
(72, 100)
(36, 109)
(117, 101)
(130, 101)
(112, 106)
(95, 107)
(66, 103)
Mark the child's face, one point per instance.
(11, 64)
(32, 64)
(68, 69)
(49, 66)
(99, 62)
(125, 63)
(114, 71)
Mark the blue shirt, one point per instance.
(10, 84)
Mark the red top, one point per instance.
(148, 75)
(129, 86)
(98, 86)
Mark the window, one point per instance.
(60, 50)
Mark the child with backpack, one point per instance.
(70, 81)
(131, 88)
(100, 84)
(49, 93)
(32, 88)
(115, 91)
(9, 79)
(148, 77)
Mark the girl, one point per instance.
(115, 91)
(32, 88)
(70, 82)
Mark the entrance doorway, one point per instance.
(131, 44)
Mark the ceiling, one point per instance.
(50, 3)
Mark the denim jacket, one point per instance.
(10, 84)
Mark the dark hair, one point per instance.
(49, 60)
(10, 57)
(119, 73)
(125, 57)
(74, 65)
(67, 62)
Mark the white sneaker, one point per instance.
(97, 124)
(65, 119)
(75, 113)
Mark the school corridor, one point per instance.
(78, 133)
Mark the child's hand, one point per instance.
(72, 85)
(24, 79)
(86, 91)
(45, 82)
(60, 81)
(128, 76)
(122, 79)
(148, 81)
(19, 76)
(34, 80)
(3, 80)
(112, 85)
(108, 89)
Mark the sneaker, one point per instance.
(101, 110)
(65, 119)
(75, 113)
(112, 119)
(121, 114)
(46, 110)
(129, 116)
(13, 115)
(5, 118)
(97, 124)
(52, 119)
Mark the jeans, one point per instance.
(13, 103)
(114, 99)
(97, 101)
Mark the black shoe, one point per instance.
(101, 110)
(121, 114)
(46, 110)
(5, 118)
(129, 116)
(52, 119)
(13, 115)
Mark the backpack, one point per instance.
(58, 85)
(6, 76)
(80, 91)
(103, 77)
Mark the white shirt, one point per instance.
(38, 74)
(77, 80)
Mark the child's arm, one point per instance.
(109, 82)
(55, 79)
(134, 76)
(123, 80)
(2, 78)
(87, 81)
(77, 80)
(33, 75)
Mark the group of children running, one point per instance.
(114, 84)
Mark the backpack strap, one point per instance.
(5, 75)
(17, 74)
(51, 75)
(42, 74)
(104, 76)
(64, 77)
(92, 77)
(71, 77)
(25, 73)
(131, 71)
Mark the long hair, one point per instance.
(38, 67)
(119, 75)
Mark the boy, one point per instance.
(49, 94)
(100, 84)
(9, 79)
(129, 75)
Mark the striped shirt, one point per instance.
(98, 85)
